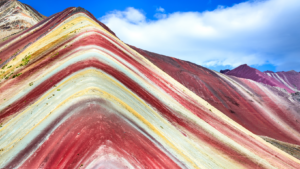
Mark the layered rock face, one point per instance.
(290, 81)
(16, 17)
(75, 96)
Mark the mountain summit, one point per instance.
(16, 17)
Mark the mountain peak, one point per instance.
(244, 65)
(241, 70)
(16, 17)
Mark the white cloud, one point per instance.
(254, 32)
(130, 16)
(160, 9)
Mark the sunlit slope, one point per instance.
(262, 109)
(73, 95)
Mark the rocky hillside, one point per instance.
(16, 17)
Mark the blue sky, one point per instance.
(217, 34)
(101, 7)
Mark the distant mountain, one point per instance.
(16, 17)
(290, 81)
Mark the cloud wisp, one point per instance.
(160, 9)
(254, 32)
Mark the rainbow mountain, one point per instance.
(73, 95)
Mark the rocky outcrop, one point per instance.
(16, 17)
(224, 71)
(296, 96)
